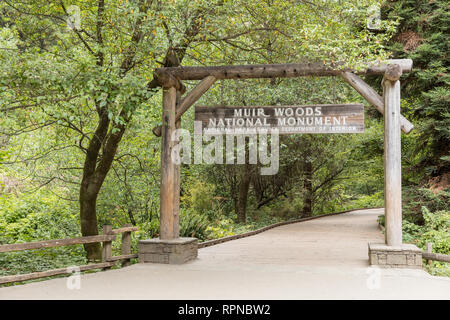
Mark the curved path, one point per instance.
(325, 258)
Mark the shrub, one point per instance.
(200, 197)
(224, 228)
(193, 224)
(34, 217)
(149, 229)
(436, 231)
(416, 198)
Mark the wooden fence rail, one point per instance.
(108, 260)
(429, 255)
(436, 256)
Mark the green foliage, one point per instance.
(223, 228)
(436, 230)
(415, 198)
(34, 217)
(37, 216)
(276, 212)
(433, 213)
(41, 260)
(381, 220)
(200, 197)
(149, 229)
(423, 36)
(193, 224)
(375, 200)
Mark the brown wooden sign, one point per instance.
(319, 118)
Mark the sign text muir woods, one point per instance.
(320, 118)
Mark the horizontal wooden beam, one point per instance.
(54, 272)
(124, 229)
(272, 70)
(55, 243)
(368, 93)
(123, 257)
(436, 256)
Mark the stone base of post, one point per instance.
(173, 251)
(403, 256)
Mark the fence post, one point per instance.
(107, 245)
(126, 245)
(430, 250)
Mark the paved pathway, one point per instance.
(324, 258)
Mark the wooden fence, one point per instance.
(108, 260)
(429, 255)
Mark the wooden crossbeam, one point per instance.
(273, 70)
(124, 229)
(189, 100)
(372, 97)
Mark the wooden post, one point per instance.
(168, 189)
(126, 245)
(176, 203)
(430, 250)
(107, 245)
(392, 159)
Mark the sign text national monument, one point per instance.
(320, 118)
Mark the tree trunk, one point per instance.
(308, 186)
(88, 189)
(89, 225)
(95, 169)
(243, 194)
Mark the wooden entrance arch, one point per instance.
(174, 106)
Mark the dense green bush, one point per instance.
(436, 230)
(427, 219)
(223, 228)
(194, 225)
(415, 198)
(38, 216)
(34, 217)
(375, 200)
(149, 229)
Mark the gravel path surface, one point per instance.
(325, 258)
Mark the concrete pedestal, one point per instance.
(174, 251)
(403, 256)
